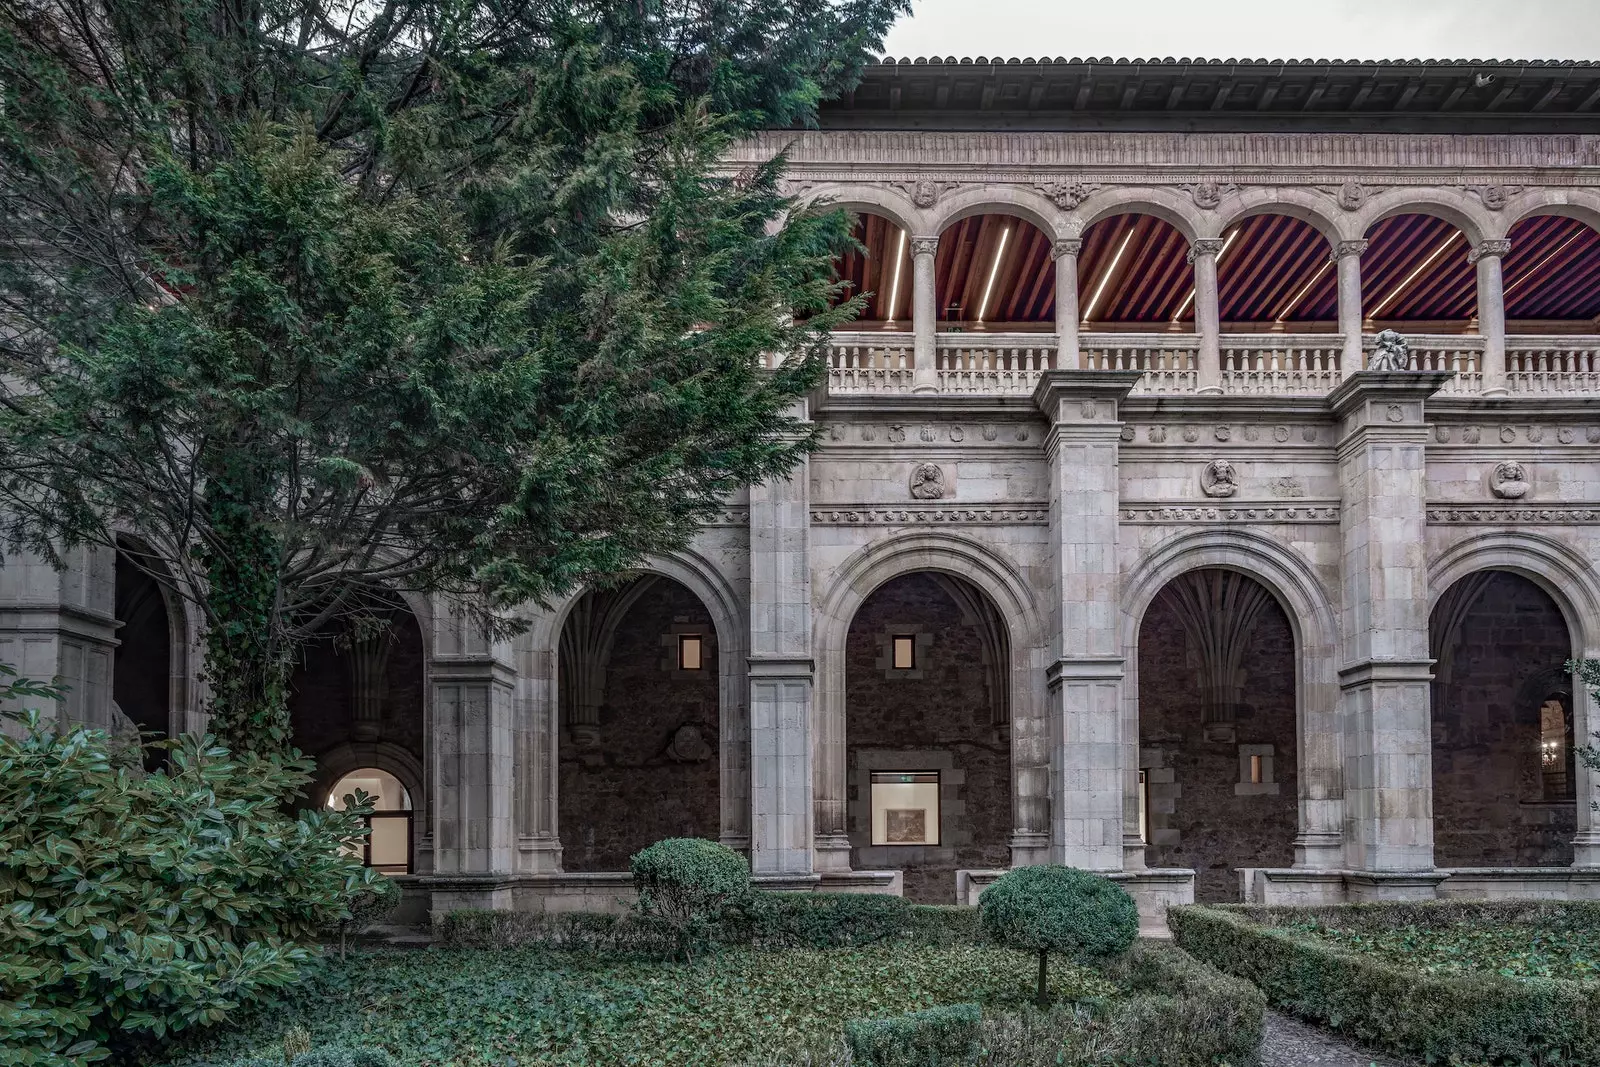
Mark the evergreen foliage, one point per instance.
(1048, 908)
(944, 1036)
(684, 886)
(330, 299)
(135, 905)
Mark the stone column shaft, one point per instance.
(924, 314)
(1207, 315)
(1088, 757)
(781, 681)
(1386, 669)
(1585, 723)
(1066, 257)
(1347, 256)
(1487, 255)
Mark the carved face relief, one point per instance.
(1509, 480)
(1219, 479)
(1352, 195)
(927, 482)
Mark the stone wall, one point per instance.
(1201, 815)
(320, 693)
(943, 715)
(1490, 807)
(644, 780)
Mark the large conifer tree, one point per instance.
(331, 298)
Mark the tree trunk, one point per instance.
(1043, 994)
(246, 661)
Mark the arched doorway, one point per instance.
(390, 846)
(142, 666)
(1218, 760)
(640, 723)
(1503, 726)
(927, 733)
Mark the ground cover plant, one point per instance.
(1474, 982)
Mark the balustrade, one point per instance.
(1281, 364)
(1169, 361)
(1553, 366)
(997, 363)
(1462, 354)
(870, 363)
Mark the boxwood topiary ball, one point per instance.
(692, 867)
(1060, 909)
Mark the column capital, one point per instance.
(1097, 393)
(1206, 246)
(924, 246)
(1067, 246)
(1483, 249)
(1345, 249)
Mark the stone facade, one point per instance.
(1067, 479)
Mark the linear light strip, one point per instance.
(989, 288)
(1193, 291)
(1531, 271)
(1105, 279)
(1301, 295)
(899, 261)
(1395, 294)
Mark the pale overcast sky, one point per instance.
(1252, 29)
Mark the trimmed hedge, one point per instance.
(1477, 1018)
(1182, 1013)
(943, 1035)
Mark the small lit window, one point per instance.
(905, 807)
(388, 845)
(905, 652)
(1256, 770)
(690, 653)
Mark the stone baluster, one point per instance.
(1065, 253)
(924, 315)
(1207, 314)
(1347, 257)
(1487, 256)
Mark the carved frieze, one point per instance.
(1067, 195)
(1494, 197)
(925, 192)
(1512, 515)
(1208, 195)
(1164, 514)
(931, 514)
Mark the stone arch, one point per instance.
(136, 552)
(873, 199)
(1179, 210)
(1308, 207)
(1292, 581)
(1021, 202)
(1569, 579)
(1453, 206)
(1580, 204)
(538, 696)
(1003, 583)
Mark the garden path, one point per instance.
(1291, 1043)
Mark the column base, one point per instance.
(1029, 848)
(538, 855)
(1133, 854)
(1586, 849)
(830, 852)
(1319, 851)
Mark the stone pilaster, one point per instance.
(1347, 260)
(924, 315)
(1385, 667)
(472, 757)
(1066, 256)
(1487, 256)
(1088, 758)
(1585, 724)
(781, 680)
(1207, 313)
(61, 625)
(538, 773)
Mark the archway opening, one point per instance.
(1275, 273)
(1218, 758)
(1416, 276)
(995, 272)
(142, 672)
(1503, 744)
(1134, 274)
(390, 844)
(882, 269)
(641, 723)
(1552, 277)
(927, 728)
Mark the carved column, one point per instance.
(1487, 255)
(781, 680)
(1347, 255)
(1386, 670)
(924, 314)
(1207, 315)
(473, 763)
(1066, 257)
(1088, 760)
